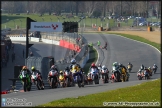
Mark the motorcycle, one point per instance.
(129, 68)
(53, 79)
(37, 81)
(95, 75)
(25, 79)
(154, 69)
(146, 75)
(105, 76)
(77, 80)
(68, 78)
(112, 78)
(150, 72)
(123, 75)
(139, 76)
(100, 69)
(62, 82)
(116, 74)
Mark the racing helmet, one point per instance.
(53, 66)
(129, 63)
(99, 65)
(139, 70)
(154, 64)
(33, 68)
(61, 72)
(93, 65)
(67, 68)
(149, 67)
(73, 61)
(115, 63)
(103, 67)
(145, 68)
(24, 67)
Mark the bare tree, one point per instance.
(90, 6)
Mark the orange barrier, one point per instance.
(69, 45)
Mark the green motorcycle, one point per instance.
(25, 79)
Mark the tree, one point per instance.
(90, 6)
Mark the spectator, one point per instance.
(23, 53)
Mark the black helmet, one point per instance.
(129, 63)
(67, 68)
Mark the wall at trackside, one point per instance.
(66, 44)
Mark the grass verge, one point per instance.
(92, 58)
(145, 92)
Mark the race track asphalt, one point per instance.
(119, 50)
(38, 49)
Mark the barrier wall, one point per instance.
(69, 45)
(50, 41)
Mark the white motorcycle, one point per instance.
(93, 76)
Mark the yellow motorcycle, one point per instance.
(124, 76)
(62, 80)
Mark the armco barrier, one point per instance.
(69, 45)
(18, 38)
(34, 39)
(50, 41)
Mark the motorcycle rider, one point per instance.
(94, 67)
(70, 74)
(139, 71)
(35, 71)
(142, 67)
(105, 47)
(122, 66)
(73, 62)
(24, 68)
(105, 69)
(146, 71)
(116, 69)
(129, 64)
(100, 67)
(53, 68)
(155, 67)
(150, 70)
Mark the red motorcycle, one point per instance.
(68, 78)
(53, 76)
(140, 75)
(105, 76)
(36, 79)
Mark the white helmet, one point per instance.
(73, 61)
(103, 67)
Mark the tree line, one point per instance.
(90, 8)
